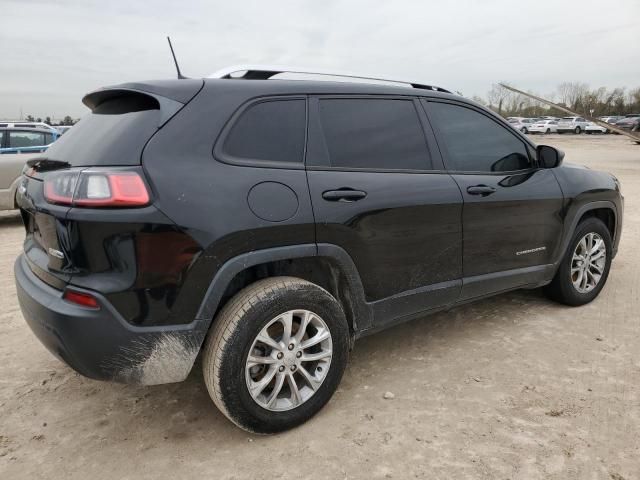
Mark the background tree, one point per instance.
(575, 96)
(497, 97)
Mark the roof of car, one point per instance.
(29, 128)
(265, 72)
(309, 87)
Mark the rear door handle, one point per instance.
(483, 190)
(343, 195)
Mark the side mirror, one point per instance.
(549, 157)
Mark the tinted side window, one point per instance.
(19, 139)
(271, 131)
(374, 133)
(475, 143)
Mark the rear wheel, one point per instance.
(548, 131)
(276, 354)
(577, 131)
(585, 266)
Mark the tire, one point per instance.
(577, 131)
(234, 336)
(562, 288)
(524, 130)
(548, 131)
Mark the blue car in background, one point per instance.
(18, 143)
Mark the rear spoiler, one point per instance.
(168, 96)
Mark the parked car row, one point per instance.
(18, 143)
(575, 125)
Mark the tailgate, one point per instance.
(47, 242)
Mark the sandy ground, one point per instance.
(513, 387)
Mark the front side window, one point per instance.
(271, 131)
(476, 143)
(20, 139)
(374, 134)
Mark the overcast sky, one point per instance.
(54, 51)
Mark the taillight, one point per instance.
(80, 298)
(59, 187)
(96, 189)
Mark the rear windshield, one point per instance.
(568, 119)
(114, 133)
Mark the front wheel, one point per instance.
(276, 354)
(577, 131)
(585, 266)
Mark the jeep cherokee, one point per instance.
(269, 223)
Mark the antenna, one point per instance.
(180, 76)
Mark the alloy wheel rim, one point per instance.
(288, 360)
(588, 262)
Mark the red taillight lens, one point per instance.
(82, 299)
(124, 189)
(96, 189)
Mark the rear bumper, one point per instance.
(100, 344)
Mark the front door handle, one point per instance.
(483, 190)
(343, 195)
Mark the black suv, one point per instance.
(269, 223)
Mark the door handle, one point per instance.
(343, 195)
(483, 190)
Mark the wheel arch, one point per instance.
(326, 265)
(603, 210)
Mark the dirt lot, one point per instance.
(513, 387)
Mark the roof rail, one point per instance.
(264, 72)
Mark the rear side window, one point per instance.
(270, 131)
(475, 143)
(374, 134)
(18, 139)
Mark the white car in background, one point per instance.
(521, 124)
(595, 128)
(575, 125)
(610, 119)
(544, 126)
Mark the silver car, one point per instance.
(17, 145)
(575, 125)
(522, 124)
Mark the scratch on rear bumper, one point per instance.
(166, 358)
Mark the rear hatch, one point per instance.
(112, 136)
